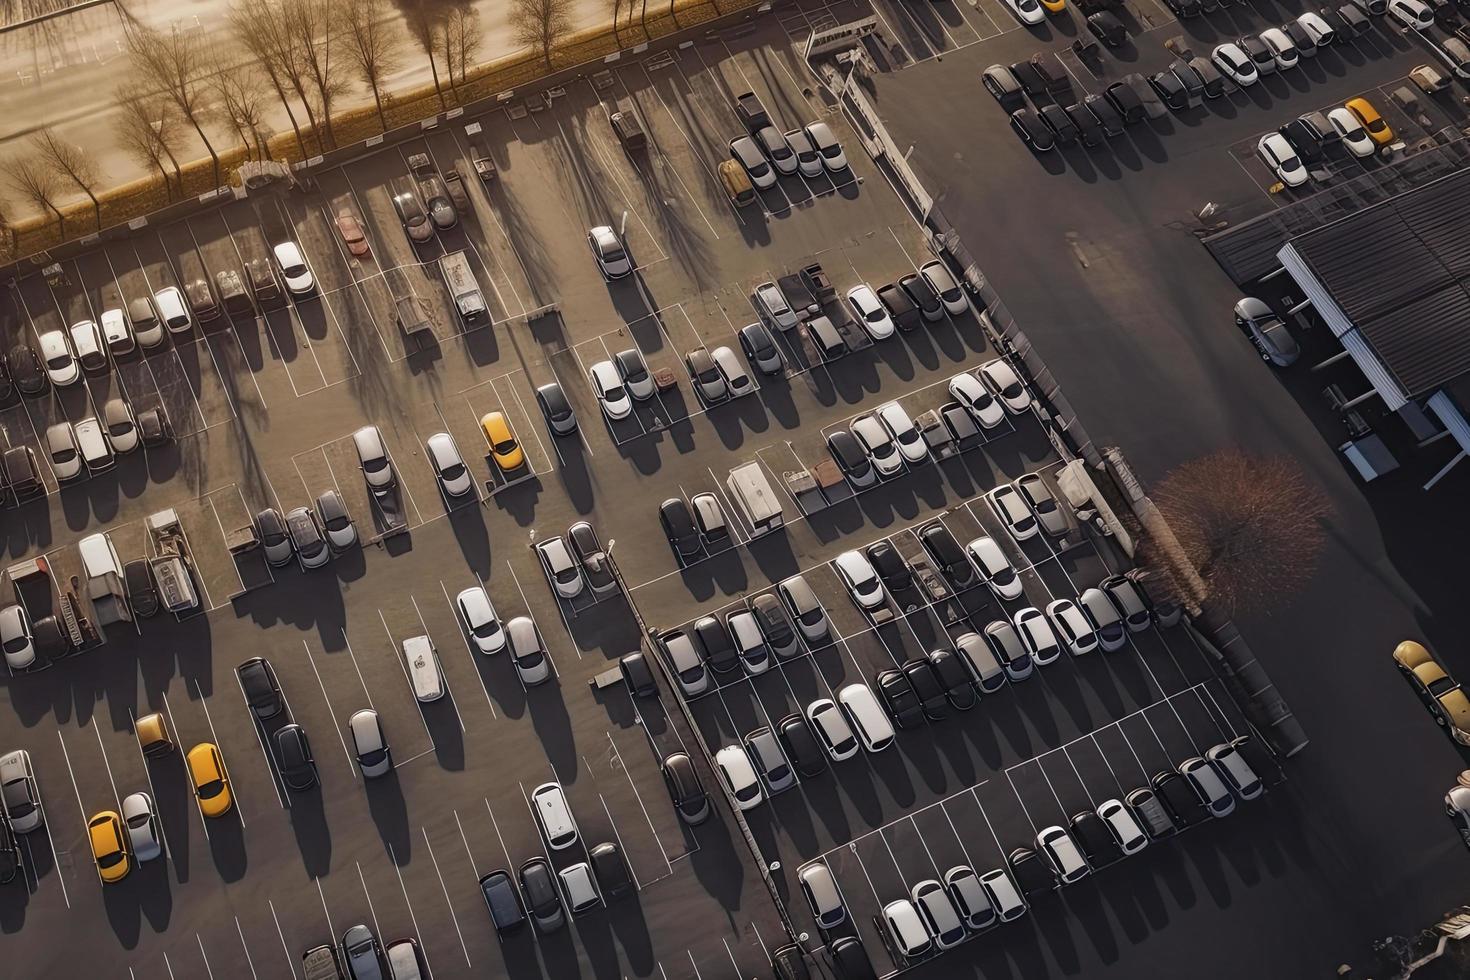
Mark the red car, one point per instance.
(352, 233)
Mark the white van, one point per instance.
(99, 557)
(866, 718)
(554, 815)
(755, 499)
(423, 668)
(169, 303)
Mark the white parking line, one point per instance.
(445, 888)
(474, 865)
(423, 947)
(351, 763)
(358, 670)
(331, 929)
(207, 967)
(377, 929)
(168, 966)
(116, 799)
(624, 767)
(623, 847)
(246, 947)
(290, 959)
(239, 810)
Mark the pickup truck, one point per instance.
(172, 564)
(748, 107)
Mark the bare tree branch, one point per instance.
(241, 91)
(139, 133)
(38, 184)
(260, 25)
(374, 49)
(174, 63)
(541, 24)
(462, 38)
(423, 24)
(617, 7)
(1253, 526)
(69, 162)
(317, 35)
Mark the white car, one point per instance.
(61, 445)
(862, 582)
(937, 275)
(612, 257)
(878, 444)
(1235, 64)
(1007, 504)
(122, 427)
(739, 776)
(1003, 383)
(1106, 621)
(560, 567)
(527, 651)
(808, 160)
(142, 822)
(941, 921)
(873, 315)
(995, 568)
(827, 146)
(1120, 823)
(1072, 626)
(1205, 780)
(911, 445)
(1317, 29)
(61, 364)
(480, 621)
(1349, 129)
(116, 333)
(86, 342)
(1027, 11)
(737, 379)
(1277, 154)
(15, 638)
(1283, 49)
(1412, 13)
(611, 394)
(969, 392)
(1036, 632)
(294, 269)
(771, 304)
(449, 467)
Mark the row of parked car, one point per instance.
(765, 152)
(943, 912)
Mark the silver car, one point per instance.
(448, 465)
(332, 512)
(142, 822)
(122, 428)
(20, 793)
(372, 456)
(369, 744)
(1267, 332)
(527, 651)
(273, 536)
(480, 620)
(306, 538)
(61, 445)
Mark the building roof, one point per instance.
(1400, 272)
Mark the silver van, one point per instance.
(554, 815)
(423, 668)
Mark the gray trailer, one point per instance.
(463, 287)
(173, 566)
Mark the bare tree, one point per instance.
(38, 185)
(642, 17)
(261, 27)
(174, 63)
(69, 162)
(373, 47)
(423, 24)
(541, 24)
(459, 39)
(617, 8)
(317, 34)
(136, 134)
(1253, 527)
(241, 92)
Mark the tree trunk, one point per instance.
(643, 19)
(617, 7)
(168, 185)
(286, 103)
(546, 54)
(178, 173)
(96, 207)
(208, 146)
(674, 15)
(60, 219)
(378, 101)
(438, 90)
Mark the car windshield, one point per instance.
(692, 674)
(211, 789)
(455, 470)
(138, 821)
(295, 269)
(373, 758)
(1438, 687)
(611, 250)
(59, 361)
(18, 799)
(486, 629)
(120, 428)
(529, 661)
(1290, 163)
(16, 644)
(504, 446)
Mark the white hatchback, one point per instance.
(61, 364)
(611, 394)
(294, 269)
(911, 445)
(862, 582)
(1004, 384)
(969, 392)
(995, 568)
(739, 776)
(480, 621)
(873, 314)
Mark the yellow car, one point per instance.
(1371, 120)
(211, 781)
(109, 847)
(1445, 699)
(1054, 6)
(503, 446)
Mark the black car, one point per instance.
(8, 391)
(262, 692)
(905, 312)
(947, 554)
(849, 456)
(142, 592)
(925, 682)
(1057, 121)
(715, 644)
(760, 349)
(1050, 72)
(638, 675)
(293, 751)
(1106, 113)
(1184, 8)
(26, 371)
(685, 789)
(679, 528)
(1209, 76)
(155, 428)
(1194, 85)
(1178, 797)
(899, 698)
(613, 879)
(1259, 52)
(1086, 125)
(1127, 102)
(1304, 140)
(538, 888)
(1093, 836)
(923, 296)
(1032, 81)
(1107, 28)
(594, 561)
(560, 418)
(955, 678)
(1033, 132)
(1348, 21)
(961, 425)
(1306, 45)
(51, 640)
(1170, 89)
(807, 757)
(1033, 876)
(1003, 84)
(890, 566)
(851, 959)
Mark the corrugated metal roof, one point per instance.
(1400, 271)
